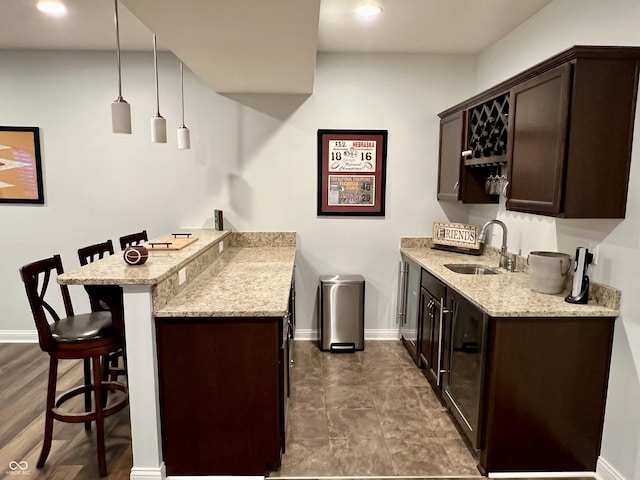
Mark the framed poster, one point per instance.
(20, 165)
(352, 172)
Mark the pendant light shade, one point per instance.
(120, 109)
(158, 123)
(184, 137)
(158, 129)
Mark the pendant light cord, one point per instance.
(115, 2)
(182, 90)
(155, 64)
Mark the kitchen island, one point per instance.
(524, 374)
(174, 306)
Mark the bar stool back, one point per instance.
(133, 239)
(87, 336)
(103, 298)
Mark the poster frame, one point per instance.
(375, 170)
(34, 146)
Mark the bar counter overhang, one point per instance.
(225, 275)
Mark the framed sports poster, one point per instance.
(352, 172)
(20, 165)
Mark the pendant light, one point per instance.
(184, 137)
(120, 109)
(158, 123)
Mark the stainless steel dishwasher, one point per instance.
(342, 313)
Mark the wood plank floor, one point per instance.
(23, 386)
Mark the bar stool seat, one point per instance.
(79, 328)
(88, 337)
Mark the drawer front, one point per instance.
(430, 283)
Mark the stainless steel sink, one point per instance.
(471, 269)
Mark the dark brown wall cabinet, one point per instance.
(570, 129)
(451, 132)
(455, 182)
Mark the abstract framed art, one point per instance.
(20, 165)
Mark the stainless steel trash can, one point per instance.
(342, 313)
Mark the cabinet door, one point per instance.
(537, 142)
(449, 159)
(431, 337)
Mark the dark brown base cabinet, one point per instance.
(223, 393)
(431, 329)
(544, 393)
(527, 393)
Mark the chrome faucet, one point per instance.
(506, 261)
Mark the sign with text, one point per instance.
(456, 235)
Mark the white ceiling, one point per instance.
(264, 46)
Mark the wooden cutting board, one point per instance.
(170, 242)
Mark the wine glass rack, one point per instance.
(487, 133)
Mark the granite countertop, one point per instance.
(113, 270)
(507, 294)
(244, 281)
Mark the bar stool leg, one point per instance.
(87, 393)
(97, 391)
(48, 419)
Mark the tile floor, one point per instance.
(370, 413)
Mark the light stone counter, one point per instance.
(113, 270)
(244, 281)
(507, 294)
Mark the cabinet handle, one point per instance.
(443, 312)
(455, 186)
(454, 314)
(402, 293)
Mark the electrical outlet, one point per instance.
(220, 247)
(594, 251)
(182, 276)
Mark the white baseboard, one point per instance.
(369, 334)
(142, 473)
(604, 471)
(542, 474)
(18, 336)
(212, 477)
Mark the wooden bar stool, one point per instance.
(89, 336)
(133, 239)
(103, 298)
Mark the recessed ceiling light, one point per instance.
(368, 10)
(54, 8)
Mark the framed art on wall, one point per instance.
(20, 165)
(352, 172)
